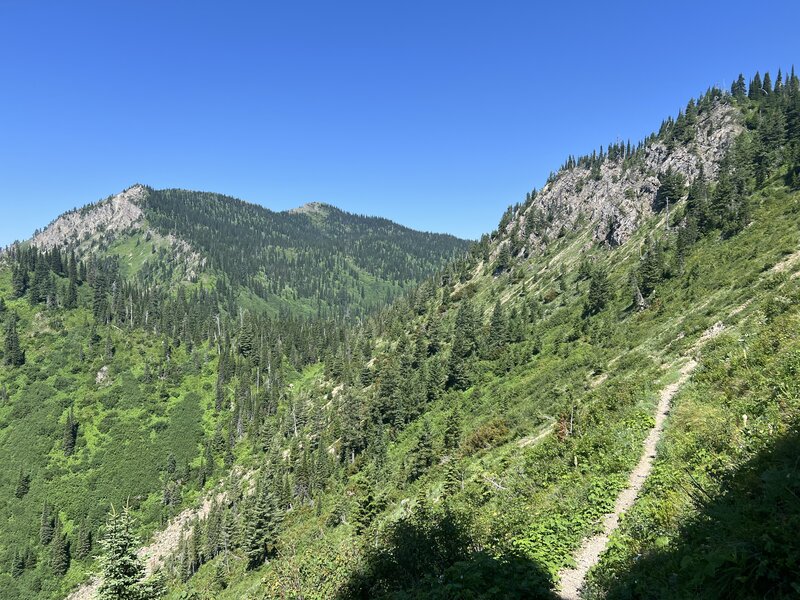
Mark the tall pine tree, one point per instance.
(14, 354)
(122, 570)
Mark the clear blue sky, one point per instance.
(434, 114)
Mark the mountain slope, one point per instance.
(464, 441)
(495, 414)
(308, 261)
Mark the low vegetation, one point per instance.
(458, 443)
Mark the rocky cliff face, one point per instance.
(95, 226)
(310, 208)
(118, 214)
(614, 203)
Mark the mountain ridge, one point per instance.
(464, 440)
(316, 259)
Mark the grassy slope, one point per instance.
(127, 429)
(604, 374)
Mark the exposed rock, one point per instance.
(114, 215)
(102, 375)
(310, 208)
(615, 203)
(96, 226)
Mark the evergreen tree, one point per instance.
(23, 484)
(422, 457)
(599, 292)
(503, 262)
(220, 575)
(739, 87)
(261, 527)
(19, 281)
(465, 343)
(452, 479)
(498, 330)
(651, 269)
(39, 284)
(365, 510)
(59, 551)
(122, 570)
(728, 203)
(755, 92)
(766, 86)
(46, 524)
(697, 204)
(452, 430)
(153, 587)
(83, 547)
(670, 189)
(70, 434)
(14, 354)
(246, 337)
(18, 563)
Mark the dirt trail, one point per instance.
(589, 553)
(533, 439)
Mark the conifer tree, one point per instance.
(452, 480)
(23, 484)
(213, 531)
(39, 284)
(651, 269)
(452, 430)
(464, 345)
(19, 281)
(219, 396)
(422, 457)
(754, 92)
(739, 87)
(122, 570)
(18, 563)
(365, 510)
(261, 527)
(83, 547)
(503, 262)
(14, 354)
(670, 189)
(46, 524)
(70, 434)
(599, 292)
(220, 575)
(59, 551)
(498, 330)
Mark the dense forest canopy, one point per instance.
(322, 254)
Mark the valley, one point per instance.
(597, 399)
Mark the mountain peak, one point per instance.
(117, 213)
(311, 208)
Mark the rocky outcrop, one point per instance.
(614, 202)
(95, 227)
(114, 215)
(310, 208)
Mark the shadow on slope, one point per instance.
(743, 544)
(434, 555)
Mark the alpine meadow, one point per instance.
(202, 398)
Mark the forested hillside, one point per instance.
(459, 443)
(312, 261)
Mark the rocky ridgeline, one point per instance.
(614, 204)
(310, 208)
(96, 226)
(77, 228)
